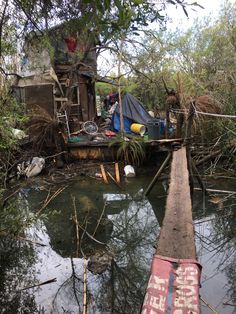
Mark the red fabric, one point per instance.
(110, 133)
(71, 43)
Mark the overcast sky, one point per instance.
(178, 20)
(211, 7)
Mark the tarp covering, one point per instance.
(133, 111)
(173, 287)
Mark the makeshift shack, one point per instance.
(58, 74)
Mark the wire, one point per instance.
(204, 113)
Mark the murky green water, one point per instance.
(120, 257)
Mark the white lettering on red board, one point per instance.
(186, 299)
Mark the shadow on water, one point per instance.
(118, 232)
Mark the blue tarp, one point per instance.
(133, 112)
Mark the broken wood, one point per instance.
(216, 191)
(113, 179)
(117, 172)
(76, 226)
(157, 175)
(188, 131)
(104, 176)
(4, 233)
(202, 185)
(85, 289)
(208, 157)
(90, 236)
(39, 284)
(50, 198)
(99, 220)
(208, 305)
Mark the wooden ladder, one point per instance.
(61, 113)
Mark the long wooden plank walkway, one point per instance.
(173, 285)
(177, 233)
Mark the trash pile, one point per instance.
(136, 120)
(31, 167)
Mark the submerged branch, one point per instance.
(39, 284)
(50, 198)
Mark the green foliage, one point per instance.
(11, 116)
(202, 58)
(130, 149)
(13, 219)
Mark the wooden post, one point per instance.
(117, 172)
(202, 185)
(119, 89)
(188, 131)
(104, 176)
(149, 188)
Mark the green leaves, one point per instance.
(131, 149)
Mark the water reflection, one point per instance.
(16, 273)
(117, 273)
(121, 287)
(215, 236)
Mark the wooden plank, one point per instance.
(177, 232)
(174, 281)
(117, 172)
(104, 174)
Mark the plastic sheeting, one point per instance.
(133, 111)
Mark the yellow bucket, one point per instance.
(138, 128)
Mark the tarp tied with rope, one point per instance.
(173, 287)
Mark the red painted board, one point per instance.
(173, 287)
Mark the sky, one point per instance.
(178, 20)
(211, 7)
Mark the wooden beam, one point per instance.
(157, 175)
(174, 280)
(177, 232)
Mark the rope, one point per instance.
(216, 115)
(204, 113)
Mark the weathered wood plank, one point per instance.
(177, 232)
(174, 281)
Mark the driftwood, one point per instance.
(217, 191)
(113, 179)
(166, 161)
(40, 284)
(208, 157)
(117, 172)
(209, 305)
(99, 220)
(75, 219)
(188, 131)
(85, 288)
(4, 233)
(50, 198)
(104, 176)
(202, 185)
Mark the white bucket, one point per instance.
(129, 171)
